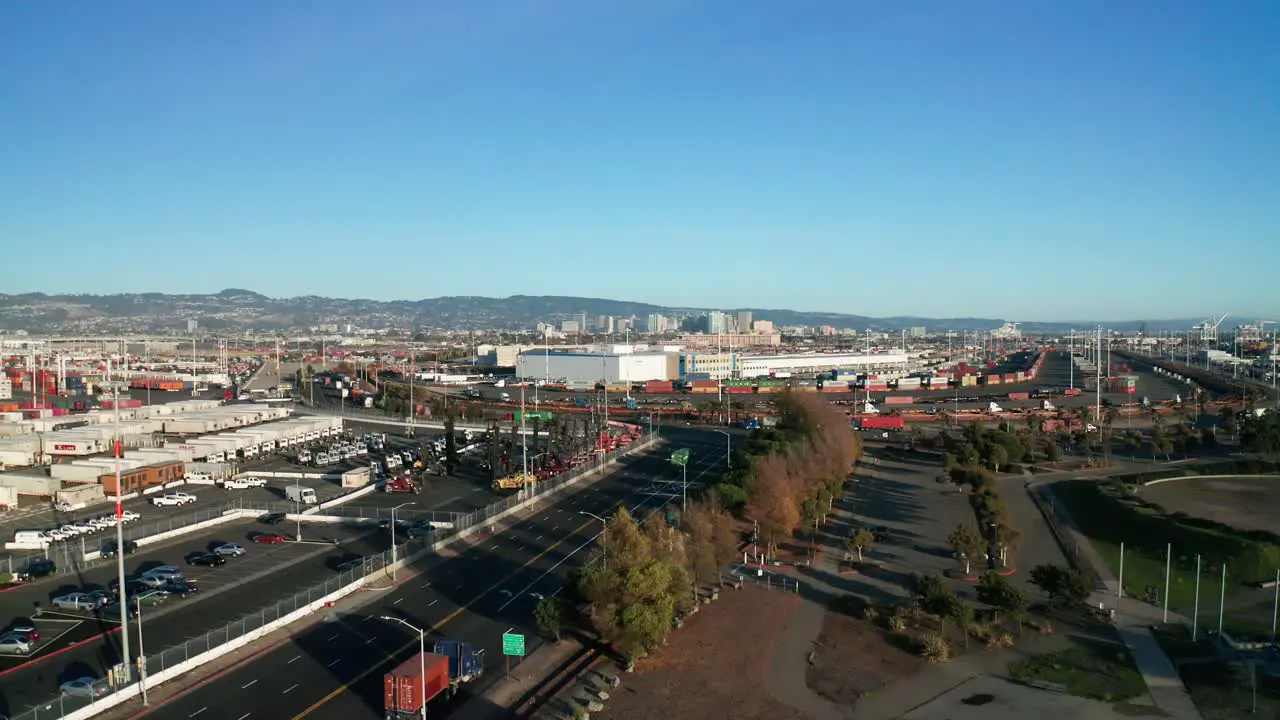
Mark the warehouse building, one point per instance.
(721, 366)
(588, 369)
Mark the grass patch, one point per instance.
(1095, 670)
(1247, 610)
(1224, 692)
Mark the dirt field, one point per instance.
(1244, 502)
(855, 658)
(717, 666)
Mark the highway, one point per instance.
(334, 670)
(265, 575)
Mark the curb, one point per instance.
(975, 578)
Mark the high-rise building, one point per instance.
(656, 323)
(762, 326)
(916, 332)
(192, 325)
(570, 326)
(744, 321)
(717, 322)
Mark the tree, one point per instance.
(1006, 537)
(1002, 595)
(998, 456)
(967, 544)
(858, 540)
(1053, 452)
(700, 526)
(552, 613)
(773, 504)
(1062, 585)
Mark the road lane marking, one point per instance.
(433, 602)
(291, 687)
(242, 717)
(250, 684)
(335, 662)
(377, 666)
(198, 712)
(334, 637)
(397, 602)
(295, 659)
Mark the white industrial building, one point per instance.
(722, 366)
(582, 369)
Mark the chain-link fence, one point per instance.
(406, 547)
(1061, 525)
(69, 554)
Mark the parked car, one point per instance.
(271, 518)
(85, 687)
(24, 627)
(268, 538)
(181, 588)
(76, 601)
(185, 497)
(165, 501)
(129, 516)
(109, 548)
(206, 559)
(37, 568)
(229, 549)
(15, 645)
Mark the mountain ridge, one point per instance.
(237, 308)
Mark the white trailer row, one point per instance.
(248, 443)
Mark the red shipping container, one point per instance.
(659, 386)
(406, 689)
(59, 412)
(879, 387)
(841, 388)
(874, 422)
(899, 400)
(705, 383)
(1071, 392)
(739, 390)
(130, 403)
(991, 379)
(1011, 377)
(1020, 396)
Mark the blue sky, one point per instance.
(880, 158)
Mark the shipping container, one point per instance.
(899, 400)
(705, 383)
(873, 422)
(1010, 378)
(739, 389)
(803, 389)
(877, 387)
(140, 478)
(413, 684)
(990, 379)
(1019, 396)
(705, 390)
(659, 386)
(739, 383)
(835, 387)
(908, 383)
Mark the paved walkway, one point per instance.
(1134, 619)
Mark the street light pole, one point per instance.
(142, 656)
(728, 448)
(422, 657)
(604, 535)
(393, 539)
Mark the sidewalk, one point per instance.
(1133, 622)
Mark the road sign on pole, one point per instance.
(680, 457)
(512, 644)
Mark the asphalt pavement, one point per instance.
(264, 575)
(335, 669)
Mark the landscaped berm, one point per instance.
(717, 666)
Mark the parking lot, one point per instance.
(259, 576)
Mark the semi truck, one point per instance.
(422, 678)
(880, 422)
(300, 494)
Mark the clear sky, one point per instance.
(967, 157)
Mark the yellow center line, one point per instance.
(441, 623)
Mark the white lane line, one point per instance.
(198, 712)
(538, 538)
(331, 639)
(425, 585)
(291, 688)
(295, 659)
(397, 602)
(433, 602)
(248, 685)
(335, 662)
(242, 717)
(593, 538)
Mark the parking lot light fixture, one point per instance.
(394, 558)
(604, 534)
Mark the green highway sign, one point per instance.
(680, 457)
(512, 644)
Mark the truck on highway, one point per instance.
(878, 422)
(1046, 405)
(425, 676)
(300, 494)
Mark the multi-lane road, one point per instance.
(334, 670)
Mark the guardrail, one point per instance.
(179, 659)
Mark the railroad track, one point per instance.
(575, 667)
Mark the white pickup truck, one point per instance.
(173, 500)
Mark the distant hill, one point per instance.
(239, 309)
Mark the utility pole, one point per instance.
(1097, 391)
